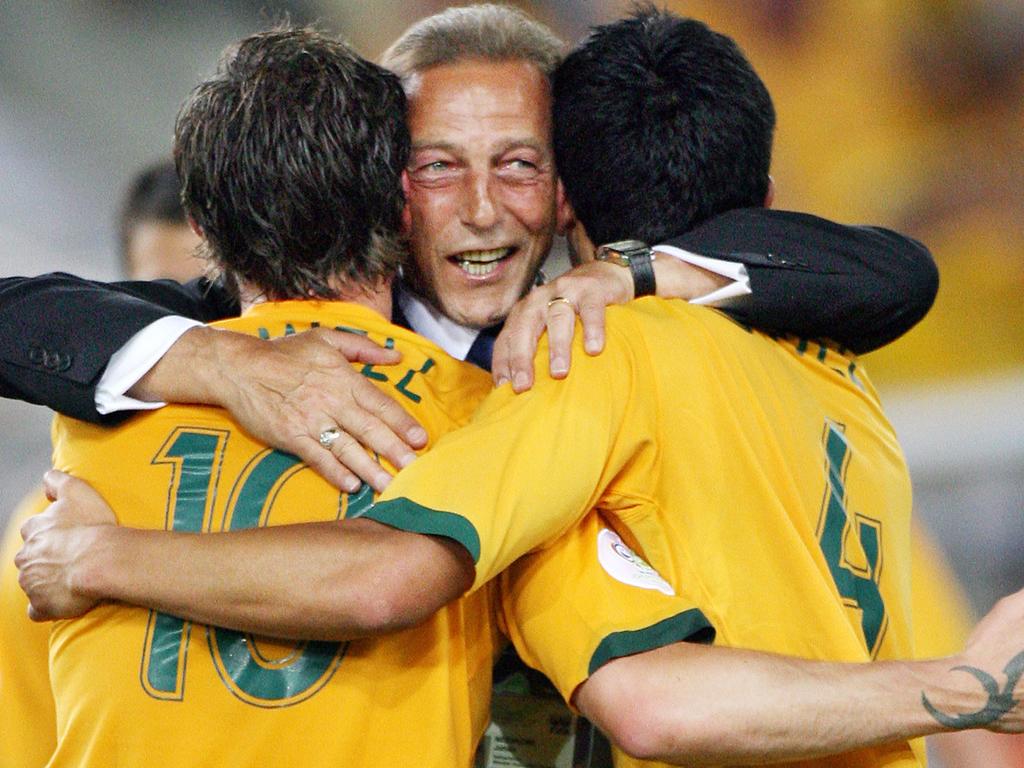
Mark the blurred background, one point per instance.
(908, 115)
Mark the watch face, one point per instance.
(625, 245)
(620, 251)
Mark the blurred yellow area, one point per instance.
(909, 115)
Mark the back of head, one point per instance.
(153, 196)
(486, 31)
(290, 159)
(660, 123)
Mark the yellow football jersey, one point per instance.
(555, 605)
(27, 721)
(758, 476)
(137, 687)
(140, 687)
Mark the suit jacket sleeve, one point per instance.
(861, 287)
(57, 332)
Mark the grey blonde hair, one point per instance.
(485, 31)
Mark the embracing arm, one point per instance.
(861, 287)
(701, 705)
(330, 581)
(58, 332)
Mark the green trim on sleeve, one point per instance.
(407, 515)
(691, 626)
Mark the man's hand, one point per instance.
(986, 675)
(287, 391)
(55, 542)
(585, 290)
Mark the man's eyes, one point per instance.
(519, 168)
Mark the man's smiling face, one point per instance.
(480, 186)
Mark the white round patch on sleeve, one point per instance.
(625, 565)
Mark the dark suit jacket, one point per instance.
(861, 287)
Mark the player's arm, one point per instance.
(465, 510)
(604, 626)
(861, 287)
(701, 705)
(331, 581)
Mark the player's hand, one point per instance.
(988, 673)
(55, 542)
(586, 291)
(288, 391)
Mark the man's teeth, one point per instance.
(480, 263)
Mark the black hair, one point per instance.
(153, 194)
(659, 124)
(290, 159)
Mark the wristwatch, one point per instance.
(636, 256)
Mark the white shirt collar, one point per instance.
(427, 321)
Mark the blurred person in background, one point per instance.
(155, 241)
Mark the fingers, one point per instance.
(358, 348)
(369, 424)
(30, 526)
(516, 345)
(54, 482)
(591, 311)
(561, 327)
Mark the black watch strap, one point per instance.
(641, 266)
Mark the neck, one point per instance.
(377, 298)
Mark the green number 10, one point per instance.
(855, 576)
(195, 457)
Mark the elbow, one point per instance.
(377, 605)
(640, 730)
(637, 737)
(388, 608)
(915, 290)
(649, 726)
(924, 285)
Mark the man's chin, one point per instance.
(478, 314)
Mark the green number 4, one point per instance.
(195, 458)
(852, 548)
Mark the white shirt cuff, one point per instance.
(132, 361)
(720, 297)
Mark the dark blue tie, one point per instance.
(482, 351)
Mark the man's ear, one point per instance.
(769, 196)
(565, 216)
(406, 213)
(196, 228)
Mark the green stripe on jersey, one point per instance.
(407, 515)
(691, 625)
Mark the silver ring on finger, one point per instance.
(329, 437)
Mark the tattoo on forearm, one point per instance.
(999, 702)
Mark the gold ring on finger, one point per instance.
(561, 300)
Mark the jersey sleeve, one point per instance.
(588, 599)
(527, 467)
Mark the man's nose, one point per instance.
(479, 208)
